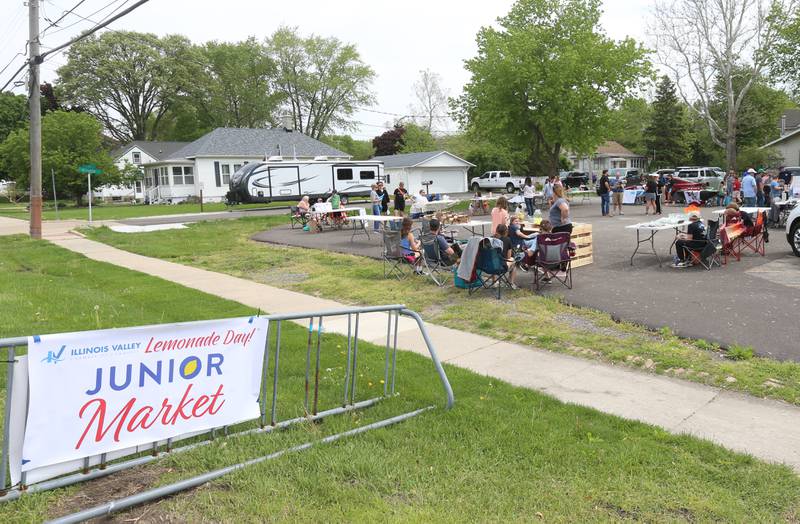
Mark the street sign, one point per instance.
(89, 169)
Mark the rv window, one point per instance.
(188, 175)
(367, 175)
(344, 174)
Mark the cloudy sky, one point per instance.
(397, 39)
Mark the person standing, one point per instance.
(400, 195)
(384, 194)
(604, 190)
(559, 212)
(375, 200)
(749, 188)
(760, 189)
(528, 192)
(650, 189)
(617, 194)
(547, 192)
(737, 189)
(500, 213)
(776, 188)
(659, 187)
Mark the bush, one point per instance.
(737, 352)
(4, 199)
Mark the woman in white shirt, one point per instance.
(528, 192)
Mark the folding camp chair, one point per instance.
(755, 240)
(711, 253)
(297, 217)
(491, 267)
(438, 269)
(553, 260)
(396, 261)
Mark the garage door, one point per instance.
(446, 180)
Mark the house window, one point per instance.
(188, 175)
(226, 173)
(367, 175)
(164, 176)
(177, 175)
(137, 157)
(138, 185)
(236, 167)
(344, 174)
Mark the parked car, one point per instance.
(710, 177)
(497, 180)
(793, 230)
(574, 178)
(630, 176)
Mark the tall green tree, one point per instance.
(322, 79)
(13, 113)
(68, 140)
(129, 80)
(236, 88)
(417, 139)
(545, 79)
(784, 54)
(358, 149)
(627, 124)
(666, 135)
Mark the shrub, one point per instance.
(737, 352)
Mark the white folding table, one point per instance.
(653, 228)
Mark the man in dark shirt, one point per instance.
(694, 239)
(448, 254)
(604, 190)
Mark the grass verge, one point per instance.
(504, 453)
(538, 321)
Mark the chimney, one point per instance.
(287, 123)
(783, 125)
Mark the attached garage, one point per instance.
(447, 172)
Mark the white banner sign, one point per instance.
(102, 391)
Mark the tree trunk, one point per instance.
(730, 143)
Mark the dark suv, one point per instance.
(575, 179)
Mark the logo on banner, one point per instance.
(54, 358)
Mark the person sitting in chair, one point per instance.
(501, 233)
(448, 253)
(520, 240)
(304, 206)
(478, 206)
(694, 239)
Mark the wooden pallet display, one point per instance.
(582, 237)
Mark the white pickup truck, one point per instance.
(497, 180)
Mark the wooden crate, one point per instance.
(581, 237)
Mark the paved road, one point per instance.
(754, 302)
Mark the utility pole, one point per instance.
(36, 120)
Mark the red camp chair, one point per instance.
(755, 240)
(553, 260)
(731, 236)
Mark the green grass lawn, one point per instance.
(522, 317)
(122, 211)
(503, 454)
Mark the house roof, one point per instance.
(157, 150)
(243, 142)
(792, 119)
(415, 159)
(611, 148)
(781, 139)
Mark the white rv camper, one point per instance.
(278, 179)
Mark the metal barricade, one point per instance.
(269, 420)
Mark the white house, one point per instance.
(608, 156)
(136, 153)
(446, 171)
(207, 163)
(788, 146)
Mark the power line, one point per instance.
(87, 18)
(62, 17)
(399, 115)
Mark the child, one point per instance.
(478, 206)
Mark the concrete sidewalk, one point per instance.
(766, 429)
